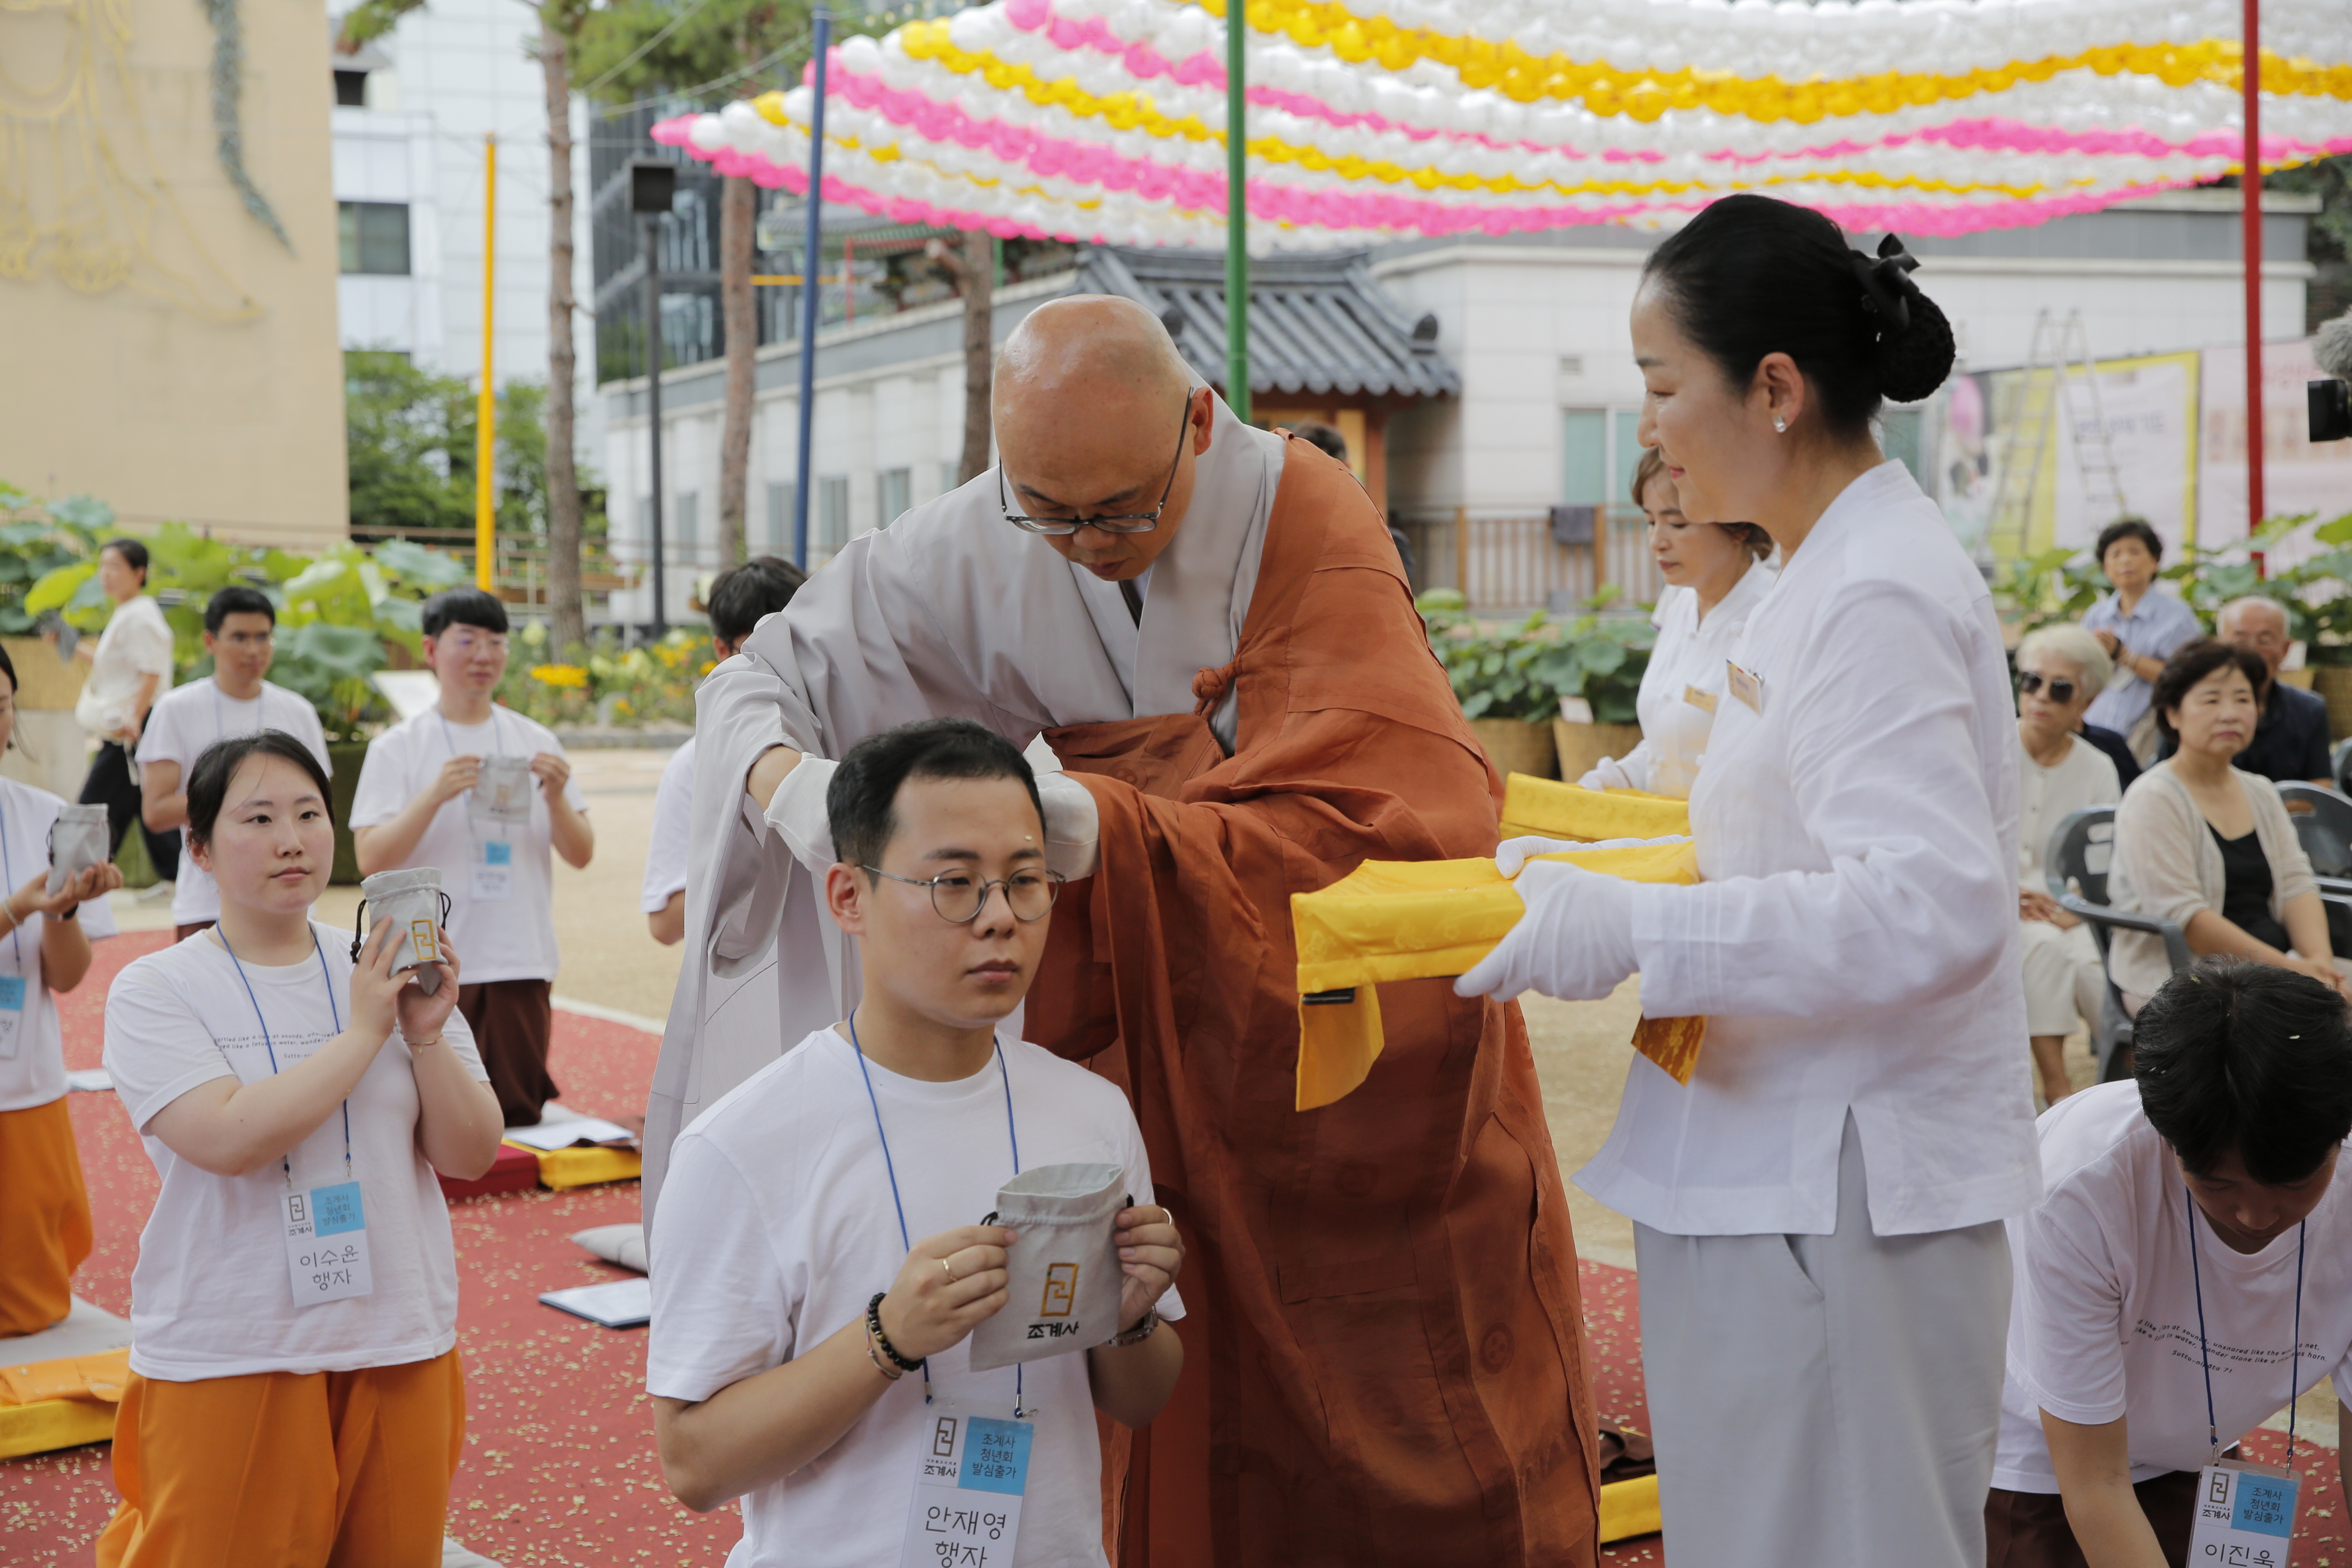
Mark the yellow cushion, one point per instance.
(1629, 1508)
(1558, 810)
(561, 1168)
(97, 1377)
(1412, 920)
(53, 1424)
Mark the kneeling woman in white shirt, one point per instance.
(1825, 1280)
(2189, 1272)
(295, 1395)
(1714, 575)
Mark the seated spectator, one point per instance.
(2290, 742)
(2139, 625)
(2198, 1204)
(2206, 846)
(2060, 670)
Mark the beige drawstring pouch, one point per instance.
(1063, 1266)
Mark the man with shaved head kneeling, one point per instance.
(1201, 632)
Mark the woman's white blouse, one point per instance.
(1854, 941)
(1687, 665)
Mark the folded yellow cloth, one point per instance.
(1411, 920)
(1558, 810)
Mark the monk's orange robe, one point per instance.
(1384, 1358)
(45, 1230)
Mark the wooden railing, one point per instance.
(1504, 564)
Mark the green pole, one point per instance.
(1237, 379)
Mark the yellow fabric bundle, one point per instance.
(1558, 810)
(1411, 920)
(561, 1169)
(50, 1405)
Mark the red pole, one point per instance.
(2250, 187)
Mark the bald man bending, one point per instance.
(1201, 632)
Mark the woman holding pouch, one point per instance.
(1824, 1278)
(43, 951)
(295, 1395)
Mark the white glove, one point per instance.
(1511, 854)
(797, 812)
(1606, 775)
(1575, 942)
(1072, 820)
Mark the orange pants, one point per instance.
(282, 1470)
(43, 1218)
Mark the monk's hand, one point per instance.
(952, 1283)
(1575, 941)
(1150, 1256)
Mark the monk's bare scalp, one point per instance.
(1088, 346)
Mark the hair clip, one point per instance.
(1883, 283)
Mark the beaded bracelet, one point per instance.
(874, 1332)
(880, 1366)
(1143, 1330)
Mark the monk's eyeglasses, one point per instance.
(1124, 523)
(960, 898)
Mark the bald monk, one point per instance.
(1206, 626)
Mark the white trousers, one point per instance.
(1826, 1401)
(2064, 980)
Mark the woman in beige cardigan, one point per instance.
(2206, 846)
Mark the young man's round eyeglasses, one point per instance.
(959, 897)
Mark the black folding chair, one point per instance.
(2082, 848)
(2323, 823)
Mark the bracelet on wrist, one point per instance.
(1145, 1327)
(874, 1332)
(874, 1356)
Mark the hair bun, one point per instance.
(1914, 361)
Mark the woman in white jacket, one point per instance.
(1824, 1277)
(1716, 573)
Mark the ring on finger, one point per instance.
(1166, 1217)
(949, 1270)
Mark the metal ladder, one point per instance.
(2060, 355)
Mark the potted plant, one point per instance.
(1494, 673)
(1594, 663)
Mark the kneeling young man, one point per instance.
(816, 1267)
(2193, 1222)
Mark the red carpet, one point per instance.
(560, 1465)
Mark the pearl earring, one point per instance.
(1779, 425)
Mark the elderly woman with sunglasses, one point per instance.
(2061, 670)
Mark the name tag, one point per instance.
(1699, 699)
(966, 1510)
(2245, 1515)
(1748, 688)
(326, 1244)
(12, 1015)
(493, 878)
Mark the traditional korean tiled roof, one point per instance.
(1320, 323)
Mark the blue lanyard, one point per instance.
(2294, 1351)
(8, 876)
(270, 1046)
(1011, 1132)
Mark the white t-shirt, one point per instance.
(33, 1071)
(509, 939)
(188, 721)
(2102, 1321)
(211, 1296)
(776, 1228)
(673, 823)
(136, 644)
